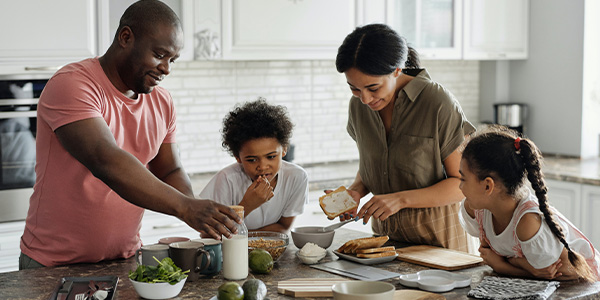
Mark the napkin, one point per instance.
(502, 288)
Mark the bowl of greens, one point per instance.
(158, 282)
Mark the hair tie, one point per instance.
(518, 144)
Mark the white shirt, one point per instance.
(543, 249)
(230, 184)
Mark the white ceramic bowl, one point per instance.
(363, 290)
(310, 259)
(162, 290)
(313, 234)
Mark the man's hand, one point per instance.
(211, 218)
(259, 192)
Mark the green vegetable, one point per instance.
(166, 271)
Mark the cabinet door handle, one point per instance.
(172, 225)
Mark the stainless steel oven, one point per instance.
(18, 108)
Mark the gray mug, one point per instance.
(216, 256)
(190, 256)
(146, 254)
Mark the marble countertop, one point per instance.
(41, 283)
(586, 171)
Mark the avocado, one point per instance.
(230, 291)
(260, 261)
(254, 289)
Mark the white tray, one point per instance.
(365, 261)
(435, 280)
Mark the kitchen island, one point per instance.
(41, 283)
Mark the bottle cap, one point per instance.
(239, 210)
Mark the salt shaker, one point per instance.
(235, 250)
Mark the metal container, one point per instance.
(510, 114)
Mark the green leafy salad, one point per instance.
(166, 271)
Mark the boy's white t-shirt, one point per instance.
(230, 184)
(543, 249)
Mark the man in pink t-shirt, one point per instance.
(106, 150)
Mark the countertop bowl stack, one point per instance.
(159, 290)
(313, 234)
(273, 242)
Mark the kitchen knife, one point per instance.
(65, 289)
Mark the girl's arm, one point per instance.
(283, 225)
(442, 193)
(500, 264)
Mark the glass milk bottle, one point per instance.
(235, 251)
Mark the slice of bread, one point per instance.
(352, 246)
(378, 254)
(337, 202)
(375, 250)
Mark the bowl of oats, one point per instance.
(273, 242)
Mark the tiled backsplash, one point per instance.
(315, 94)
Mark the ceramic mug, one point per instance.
(190, 256)
(146, 254)
(216, 256)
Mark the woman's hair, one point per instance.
(497, 153)
(254, 120)
(375, 49)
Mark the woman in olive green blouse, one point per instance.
(408, 129)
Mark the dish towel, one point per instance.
(502, 288)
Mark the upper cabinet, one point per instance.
(43, 35)
(463, 29)
(433, 28)
(496, 29)
(285, 29)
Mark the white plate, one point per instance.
(435, 280)
(365, 261)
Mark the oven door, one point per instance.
(18, 103)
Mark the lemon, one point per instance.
(230, 291)
(260, 261)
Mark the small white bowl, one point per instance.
(161, 290)
(363, 290)
(310, 259)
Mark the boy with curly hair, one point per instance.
(272, 191)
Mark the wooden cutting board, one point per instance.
(321, 287)
(437, 257)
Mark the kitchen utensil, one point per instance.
(435, 280)
(146, 254)
(437, 257)
(159, 290)
(308, 287)
(80, 286)
(214, 248)
(354, 270)
(191, 256)
(64, 291)
(363, 290)
(313, 234)
(336, 225)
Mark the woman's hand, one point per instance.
(259, 192)
(381, 207)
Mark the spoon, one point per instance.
(335, 226)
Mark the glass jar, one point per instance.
(235, 250)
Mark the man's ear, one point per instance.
(125, 37)
(490, 185)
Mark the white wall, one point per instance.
(550, 80)
(315, 94)
(591, 81)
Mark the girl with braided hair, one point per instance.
(520, 233)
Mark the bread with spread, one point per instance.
(337, 202)
(353, 246)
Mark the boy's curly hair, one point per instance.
(254, 120)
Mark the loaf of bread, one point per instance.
(352, 246)
(375, 250)
(337, 202)
(378, 254)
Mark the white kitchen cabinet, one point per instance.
(10, 239)
(43, 35)
(590, 208)
(496, 29)
(433, 28)
(291, 29)
(566, 198)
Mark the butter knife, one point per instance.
(65, 289)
